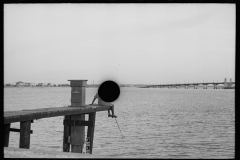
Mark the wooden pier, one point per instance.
(74, 121)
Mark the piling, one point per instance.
(66, 136)
(25, 127)
(90, 132)
(74, 135)
(74, 125)
(6, 134)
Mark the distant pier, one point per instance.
(226, 85)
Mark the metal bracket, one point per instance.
(77, 123)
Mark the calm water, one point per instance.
(155, 123)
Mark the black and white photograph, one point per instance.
(119, 80)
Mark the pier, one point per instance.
(74, 121)
(226, 85)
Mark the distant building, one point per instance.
(20, 84)
(40, 84)
(29, 84)
(49, 84)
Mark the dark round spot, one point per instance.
(109, 91)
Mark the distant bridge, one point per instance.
(226, 85)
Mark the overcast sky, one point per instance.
(127, 43)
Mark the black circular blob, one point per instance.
(109, 91)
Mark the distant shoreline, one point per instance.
(86, 87)
(52, 86)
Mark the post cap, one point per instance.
(78, 83)
(77, 80)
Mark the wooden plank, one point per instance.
(66, 134)
(56, 109)
(25, 127)
(35, 111)
(17, 116)
(77, 123)
(6, 134)
(59, 109)
(90, 132)
(18, 130)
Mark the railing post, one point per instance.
(77, 135)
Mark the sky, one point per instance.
(127, 43)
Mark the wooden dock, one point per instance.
(74, 121)
(27, 115)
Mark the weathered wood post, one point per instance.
(6, 134)
(66, 135)
(90, 131)
(25, 127)
(76, 133)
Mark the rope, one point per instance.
(119, 128)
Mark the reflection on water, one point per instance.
(155, 123)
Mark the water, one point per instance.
(155, 123)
